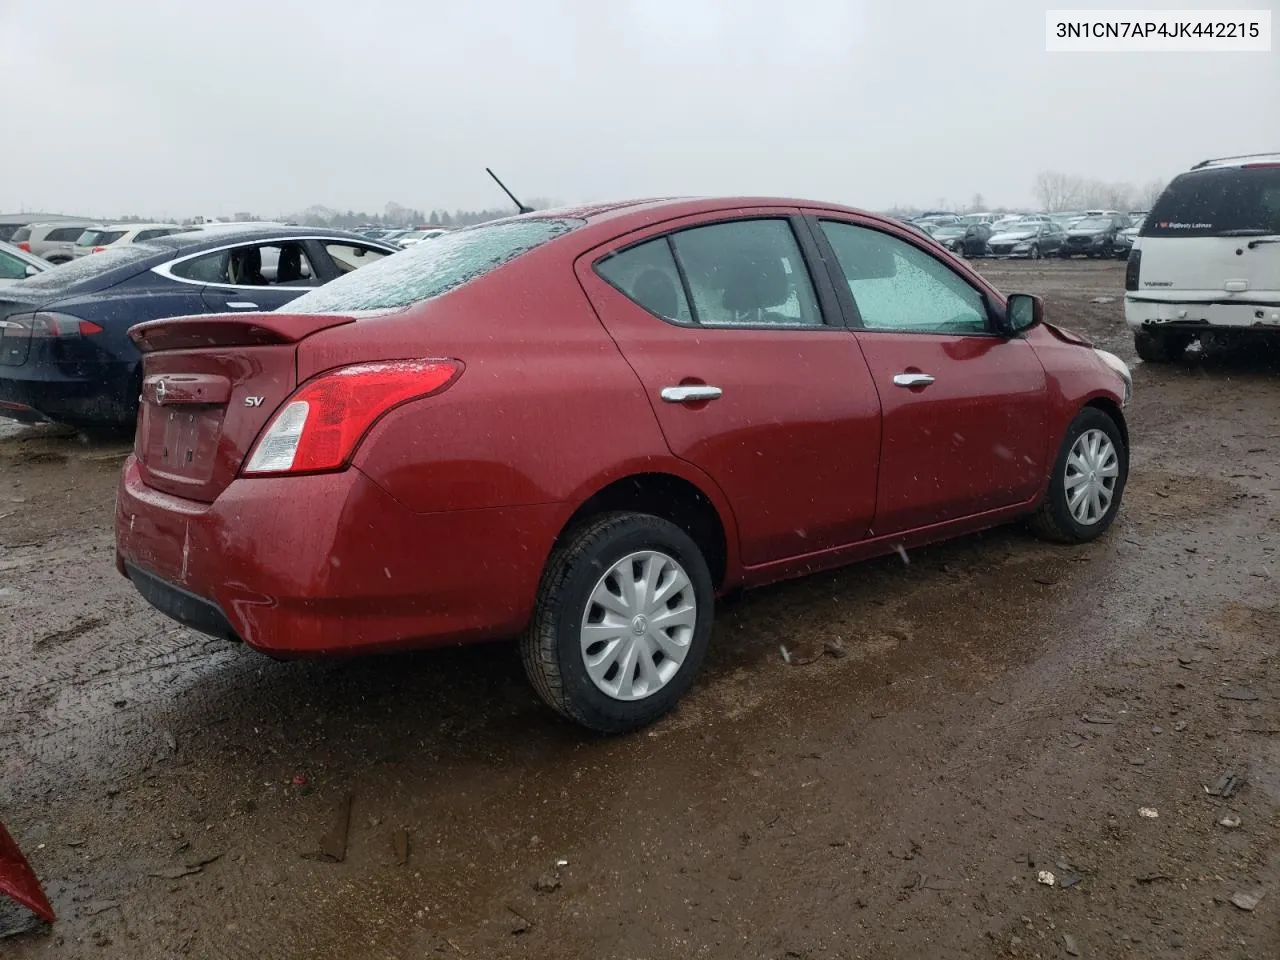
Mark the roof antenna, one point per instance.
(519, 206)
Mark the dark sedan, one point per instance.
(1092, 237)
(1031, 239)
(64, 353)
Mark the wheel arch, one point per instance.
(695, 508)
(1113, 410)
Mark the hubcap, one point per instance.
(638, 625)
(1093, 467)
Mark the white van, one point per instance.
(1207, 259)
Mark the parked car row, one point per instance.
(1094, 233)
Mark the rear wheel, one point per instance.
(1088, 480)
(1159, 346)
(622, 622)
(1064, 254)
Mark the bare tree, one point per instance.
(1150, 192)
(1057, 191)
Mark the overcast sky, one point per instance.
(168, 108)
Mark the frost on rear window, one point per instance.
(429, 269)
(86, 268)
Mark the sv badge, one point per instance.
(253, 401)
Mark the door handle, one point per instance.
(692, 393)
(912, 379)
(242, 305)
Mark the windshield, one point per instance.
(428, 270)
(1218, 202)
(84, 268)
(1092, 223)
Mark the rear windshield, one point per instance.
(1223, 201)
(99, 238)
(22, 233)
(427, 270)
(84, 268)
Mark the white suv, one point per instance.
(1206, 262)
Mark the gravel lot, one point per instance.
(1005, 707)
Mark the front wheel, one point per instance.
(1088, 480)
(622, 622)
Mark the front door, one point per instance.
(750, 374)
(964, 408)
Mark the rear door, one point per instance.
(751, 375)
(965, 410)
(1213, 236)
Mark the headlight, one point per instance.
(1100, 238)
(1120, 367)
(1022, 245)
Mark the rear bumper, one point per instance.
(1261, 318)
(106, 396)
(331, 564)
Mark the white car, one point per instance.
(417, 236)
(17, 264)
(1206, 263)
(97, 239)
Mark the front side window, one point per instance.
(647, 274)
(746, 273)
(252, 265)
(897, 286)
(11, 268)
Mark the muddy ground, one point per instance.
(1006, 707)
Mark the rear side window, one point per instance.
(1223, 201)
(351, 256)
(647, 274)
(428, 270)
(742, 273)
(21, 234)
(144, 235)
(745, 273)
(63, 234)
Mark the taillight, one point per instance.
(62, 326)
(320, 425)
(24, 246)
(1132, 269)
(97, 249)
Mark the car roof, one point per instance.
(136, 226)
(642, 212)
(203, 238)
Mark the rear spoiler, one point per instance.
(230, 330)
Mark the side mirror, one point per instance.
(32, 270)
(1022, 312)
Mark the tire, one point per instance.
(1055, 519)
(1064, 254)
(1108, 252)
(1159, 346)
(58, 261)
(553, 648)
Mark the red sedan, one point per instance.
(579, 426)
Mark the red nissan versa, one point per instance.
(579, 426)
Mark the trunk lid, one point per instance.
(209, 387)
